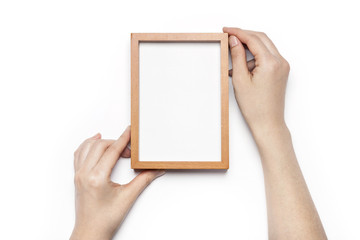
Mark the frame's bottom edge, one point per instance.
(181, 165)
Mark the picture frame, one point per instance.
(136, 40)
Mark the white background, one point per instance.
(65, 75)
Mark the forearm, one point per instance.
(291, 211)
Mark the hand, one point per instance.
(260, 93)
(101, 205)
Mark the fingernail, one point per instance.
(128, 127)
(96, 136)
(160, 173)
(233, 41)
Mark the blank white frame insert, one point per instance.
(179, 101)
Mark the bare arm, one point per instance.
(261, 97)
(291, 211)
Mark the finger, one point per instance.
(238, 57)
(250, 66)
(112, 154)
(141, 181)
(267, 41)
(97, 149)
(82, 151)
(253, 42)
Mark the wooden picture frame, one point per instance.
(136, 39)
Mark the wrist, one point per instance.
(267, 134)
(276, 149)
(80, 233)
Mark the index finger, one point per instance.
(113, 153)
(267, 41)
(253, 42)
(82, 151)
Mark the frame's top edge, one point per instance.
(179, 36)
(179, 33)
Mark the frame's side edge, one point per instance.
(134, 101)
(224, 101)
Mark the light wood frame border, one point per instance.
(136, 38)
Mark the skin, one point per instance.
(101, 205)
(259, 86)
(260, 94)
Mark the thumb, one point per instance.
(238, 57)
(141, 181)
